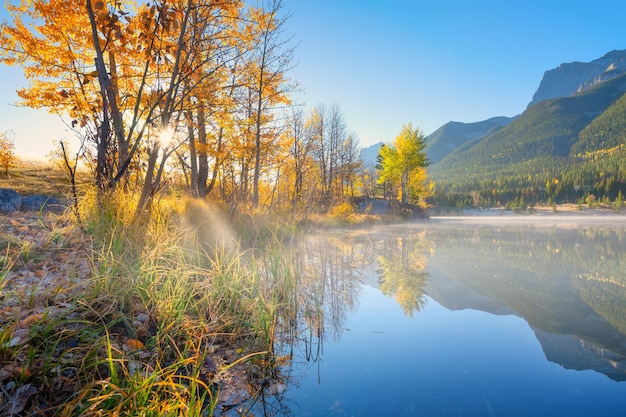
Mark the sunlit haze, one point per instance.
(390, 63)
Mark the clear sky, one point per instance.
(390, 62)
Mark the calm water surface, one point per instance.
(458, 317)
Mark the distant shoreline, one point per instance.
(568, 209)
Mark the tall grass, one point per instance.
(168, 296)
(186, 273)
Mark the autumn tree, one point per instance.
(386, 184)
(123, 73)
(266, 81)
(73, 53)
(350, 164)
(334, 137)
(403, 163)
(368, 181)
(203, 80)
(54, 55)
(218, 47)
(335, 151)
(300, 162)
(7, 152)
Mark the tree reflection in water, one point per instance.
(329, 271)
(565, 280)
(326, 287)
(402, 270)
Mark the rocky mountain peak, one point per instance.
(575, 77)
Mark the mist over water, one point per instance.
(507, 315)
(536, 220)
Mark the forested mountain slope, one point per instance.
(455, 134)
(547, 131)
(568, 149)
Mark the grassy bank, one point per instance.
(174, 315)
(160, 318)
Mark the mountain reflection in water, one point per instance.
(563, 276)
(566, 280)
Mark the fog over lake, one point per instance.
(461, 316)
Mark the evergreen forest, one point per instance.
(563, 150)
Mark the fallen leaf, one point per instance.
(20, 336)
(30, 319)
(17, 400)
(133, 344)
(13, 371)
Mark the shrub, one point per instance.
(342, 211)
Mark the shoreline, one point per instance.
(570, 210)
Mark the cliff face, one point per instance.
(368, 155)
(575, 77)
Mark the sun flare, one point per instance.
(165, 137)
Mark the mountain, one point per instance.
(566, 80)
(568, 146)
(445, 139)
(368, 155)
(576, 77)
(455, 134)
(546, 134)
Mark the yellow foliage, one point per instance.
(159, 63)
(7, 154)
(594, 155)
(342, 211)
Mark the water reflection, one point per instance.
(402, 269)
(566, 282)
(564, 278)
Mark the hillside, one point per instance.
(605, 132)
(547, 132)
(562, 150)
(453, 135)
(566, 80)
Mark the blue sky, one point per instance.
(425, 62)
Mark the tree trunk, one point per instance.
(118, 127)
(146, 191)
(203, 163)
(193, 162)
(257, 143)
(217, 163)
(405, 188)
(103, 140)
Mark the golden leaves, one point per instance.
(33, 318)
(163, 58)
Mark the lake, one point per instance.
(468, 316)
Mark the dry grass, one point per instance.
(34, 177)
(120, 318)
